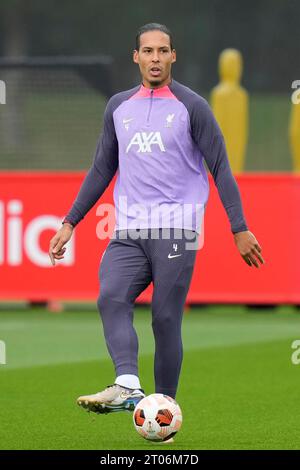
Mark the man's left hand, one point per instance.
(249, 248)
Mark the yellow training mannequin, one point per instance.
(230, 106)
(294, 136)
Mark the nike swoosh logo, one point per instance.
(173, 256)
(125, 121)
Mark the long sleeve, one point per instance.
(207, 135)
(104, 167)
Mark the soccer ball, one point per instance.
(157, 417)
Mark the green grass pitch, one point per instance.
(238, 387)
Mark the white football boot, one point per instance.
(113, 398)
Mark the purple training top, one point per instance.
(157, 140)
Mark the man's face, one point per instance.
(155, 58)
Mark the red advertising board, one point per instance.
(32, 206)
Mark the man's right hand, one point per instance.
(56, 247)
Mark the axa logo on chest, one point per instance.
(143, 142)
(19, 240)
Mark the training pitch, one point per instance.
(238, 389)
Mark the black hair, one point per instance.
(152, 27)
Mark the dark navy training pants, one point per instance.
(127, 267)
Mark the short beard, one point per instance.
(155, 83)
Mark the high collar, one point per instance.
(162, 92)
